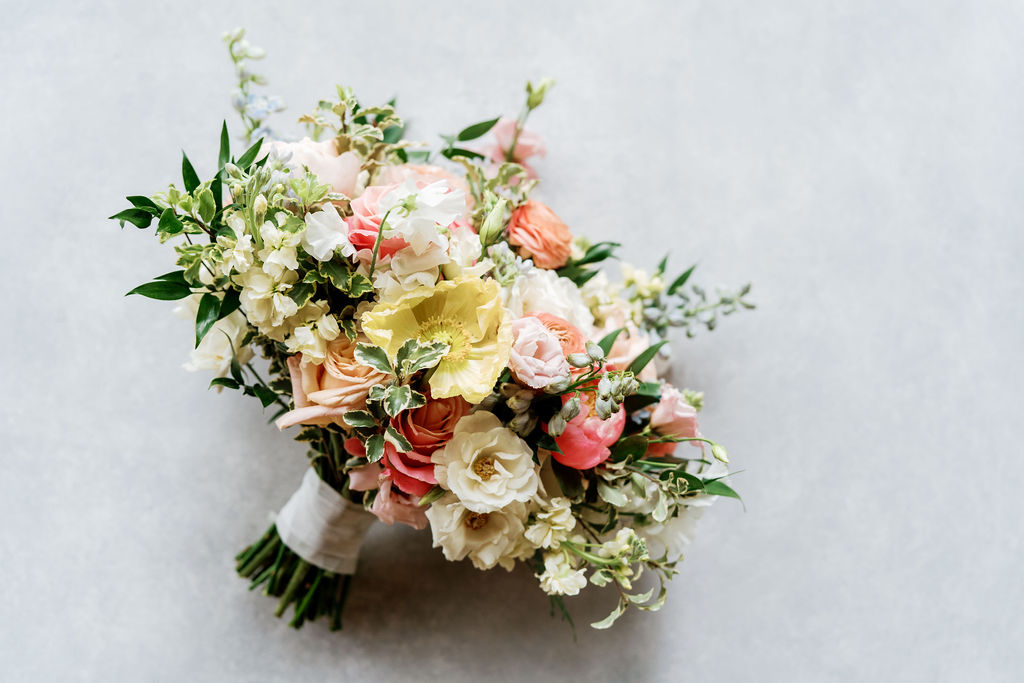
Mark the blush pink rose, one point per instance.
(367, 477)
(536, 358)
(324, 392)
(630, 343)
(364, 224)
(673, 416)
(430, 426)
(391, 506)
(586, 438)
(569, 336)
(340, 171)
(540, 235)
(528, 144)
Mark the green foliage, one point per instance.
(207, 314)
(163, 290)
(645, 357)
(374, 357)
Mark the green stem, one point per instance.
(376, 243)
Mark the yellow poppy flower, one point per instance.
(466, 314)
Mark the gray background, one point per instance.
(859, 162)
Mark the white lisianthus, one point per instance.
(552, 524)
(559, 577)
(464, 250)
(485, 464)
(265, 300)
(416, 213)
(538, 290)
(486, 538)
(279, 253)
(222, 342)
(325, 232)
(408, 270)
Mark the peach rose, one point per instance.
(569, 336)
(364, 224)
(540, 235)
(324, 392)
(430, 426)
(528, 144)
(673, 416)
(536, 358)
(340, 171)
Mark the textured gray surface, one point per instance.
(860, 162)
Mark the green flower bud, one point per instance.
(494, 225)
(556, 425)
(594, 351)
(559, 385)
(535, 93)
(571, 409)
(578, 360)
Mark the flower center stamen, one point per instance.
(484, 467)
(477, 520)
(446, 331)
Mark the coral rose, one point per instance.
(586, 438)
(364, 224)
(391, 506)
(540, 235)
(430, 426)
(412, 472)
(324, 392)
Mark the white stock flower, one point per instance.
(486, 538)
(464, 250)
(538, 290)
(317, 327)
(222, 342)
(279, 254)
(559, 577)
(416, 213)
(676, 532)
(236, 253)
(265, 300)
(325, 232)
(485, 464)
(552, 524)
(408, 270)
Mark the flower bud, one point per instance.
(571, 409)
(578, 360)
(719, 453)
(259, 208)
(523, 423)
(494, 224)
(557, 425)
(594, 351)
(559, 385)
(535, 93)
(604, 408)
(604, 386)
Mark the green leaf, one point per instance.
(397, 399)
(359, 418)
(569, 479)
(206, 316)
(301, 293)
(414, 356)
(245, 161)
(641, 361)
(337, 274)
(611, 494)
(224, 155)
(188, 174)
(597, 253)
(140, 202)
(229, 304)
(476, 130)
(608, 340)
(633, 446)
(140, 218)
(373, 356)
(452, 152)
(716, 487)
(681, 280)
(207, 205)
(163, 290)
(236, 369)
(224, 382)
(430, 496)
(400, 443)
(358, 285)
(610, 619)
(661, 265)
(169, 223)
(393, 134)
(375, 448)
(173, 276)
(265, 394)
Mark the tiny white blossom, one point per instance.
(559, 577)
(552, 525)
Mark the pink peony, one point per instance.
(430, 426)
(586, 438)
(340, 171)
(364, 224)
(540, 235)
(324, 392)
(528, 144)
(536, 358)
(392, 506)
(673, 416)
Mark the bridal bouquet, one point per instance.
(448, 349)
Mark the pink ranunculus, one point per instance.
(586, 438)
(392, 506)
(540, 235)
(324, 392)
(630, 343)
(340, 171)
(423, 175)
(569, 336)
(673, 416)
(364, 224)
(412, 472)
(430, 426)
(536, 358)
(528, 144)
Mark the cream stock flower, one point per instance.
(552, 524)
(559, 577)
(485, 464)
(486, 538)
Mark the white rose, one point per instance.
(325, 232)
(559, 577)
(486, 538)
(485, 464)
(538, 290)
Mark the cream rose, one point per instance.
(486, 538)
(486, 465)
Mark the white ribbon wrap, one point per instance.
(323, 528)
